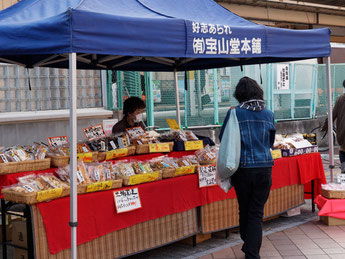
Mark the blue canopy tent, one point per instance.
(143, 35)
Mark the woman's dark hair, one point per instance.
(132, 104)
(344, 83)
(248, 89)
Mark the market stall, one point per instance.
(146, 36)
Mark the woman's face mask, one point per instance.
(138, 118)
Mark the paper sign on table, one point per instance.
(100, 186)
(127, 200)
(193, 145)
(207, 175)
(159, 147)
(94, 132)
(57, 141)
(135, 132)
(185, 170)
(116, 153)
(49, 194)
(173, 124)
(86, 157)
(300, 144)
(143, 178)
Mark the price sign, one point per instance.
(94, 132)
(143, 178)
(49, 194)
(185, 170)
(57, 141)
(159, 147)
(100, 186)
(86, 157)
(135, 132)
(207, 175)
(193, 145)
(116, 153)
(173, 124)
(127, 200)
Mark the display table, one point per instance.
(168, 212)
(289, 177)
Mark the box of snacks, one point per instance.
(20, 159)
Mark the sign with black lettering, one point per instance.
(57, 141)
(94, 132)
(135, 132)
(207, 175)
(127, 200)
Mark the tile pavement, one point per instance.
(312, 240)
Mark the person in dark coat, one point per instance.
(133, 109)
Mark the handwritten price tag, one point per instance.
(127, 200)
(159, 147)
(193, 145)
(207, 176)
(94, 132)
(143, 178)
(86, 157)
(173, 124)
(57, 141)
(100, 186)
(49, 194)
(116, 153)
(135, 132)
(185, 170)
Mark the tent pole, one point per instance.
(73, 150)
(330, 117)
(178, 117)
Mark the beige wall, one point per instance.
(7, 3)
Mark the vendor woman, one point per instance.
(133, 109)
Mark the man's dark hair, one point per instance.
(248, 89)
(344, 83)
(132, 104)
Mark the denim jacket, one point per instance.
(257, 136)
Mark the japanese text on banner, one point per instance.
(127, 200)
(215, 39)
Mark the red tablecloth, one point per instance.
(158, 199)
(330, 207)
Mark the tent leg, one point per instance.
(330, 117)
(177, 97)
(73, 150)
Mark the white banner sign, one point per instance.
(283, 77)
(108, 126)
(207, 176)
(127, 200)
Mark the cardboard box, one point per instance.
(8, 233)
(199, 238)
(331, 221)
(19, 236)
(299, 151)
(20, 253)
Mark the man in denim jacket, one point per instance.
(252, 181)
